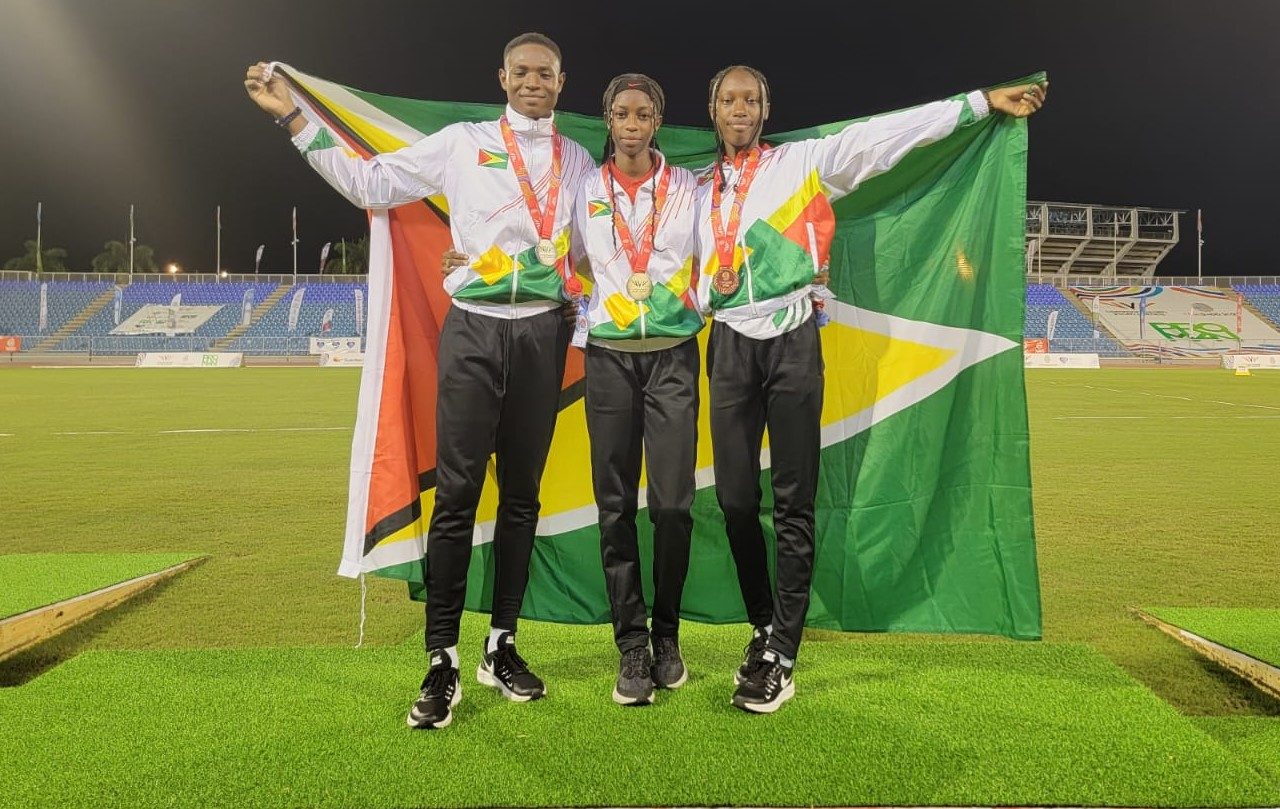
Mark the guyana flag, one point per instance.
(924, 518)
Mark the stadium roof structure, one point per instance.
(1103, 240)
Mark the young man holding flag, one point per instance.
(766, 226)
(510, 184)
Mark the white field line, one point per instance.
(252, 430)
(1163, 418)
(1183, 398)
(199, 431)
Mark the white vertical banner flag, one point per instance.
(1052, 325)
(44, 307)
(326, 325)
(295, 308)
(257, 258)
(359, 312)
(324, 254)
(246, 307)
(117, 304)
(174, 303)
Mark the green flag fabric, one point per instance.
(924, 512)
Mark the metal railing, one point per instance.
(120, 345)
(273, 277)
(1166, 281)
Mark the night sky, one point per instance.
(108, 102)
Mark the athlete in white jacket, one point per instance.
(510, 185)
(765, 229)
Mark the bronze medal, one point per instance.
(725, 281)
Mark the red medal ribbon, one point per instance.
(726, 237)
(639, 258)
(543, 222)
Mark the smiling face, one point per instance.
(532, 78)
(633, 122)
(738, 109)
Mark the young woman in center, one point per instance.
(634, 226)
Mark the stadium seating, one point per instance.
(95, 335)
(20, 304)
(1265, 298)
(1074, 332)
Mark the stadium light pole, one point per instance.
(131, 241)
(1199, 246)
(217, 261)
(39, 253)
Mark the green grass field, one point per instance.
(1253, 632)
(38, 579)
(230, 685)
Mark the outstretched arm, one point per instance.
(384, 181)
(864, 149)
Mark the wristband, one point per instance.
(284, 121)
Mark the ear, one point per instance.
(560, 82)
(767, 107)
(502, 77)
(657, 123)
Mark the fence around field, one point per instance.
(119, 345)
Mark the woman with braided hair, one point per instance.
(634, 234)
(765, 222)
(634, 226)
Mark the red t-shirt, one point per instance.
(630, 184)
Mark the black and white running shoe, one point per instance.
(753, 655)
(635, 678)
(441, 690)
(506, 671)
(668, 665)
(768, 686)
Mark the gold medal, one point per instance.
(546, 252)
(725, 281)
(639, 286)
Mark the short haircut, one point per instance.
(532, 38)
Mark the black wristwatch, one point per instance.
(285, 120)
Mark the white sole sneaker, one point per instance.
(485, 677)
(444, 723)
(788, 691)
(625, 700)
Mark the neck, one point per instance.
(637, 166)
(731, 151)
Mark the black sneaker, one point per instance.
(753, 655)
(441, 690)
(635, 681)
(668, 665)
(768, 686)
(506, 671)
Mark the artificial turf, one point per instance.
(1255, 632)
(890, 723)
(1151, 487)
(31, 580)
(1256, 739)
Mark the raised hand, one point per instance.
(1019, 101)
(270, 94)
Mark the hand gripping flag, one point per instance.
(924, 515)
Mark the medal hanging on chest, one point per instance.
(639, 285)
(726, 280)
(543, 220)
